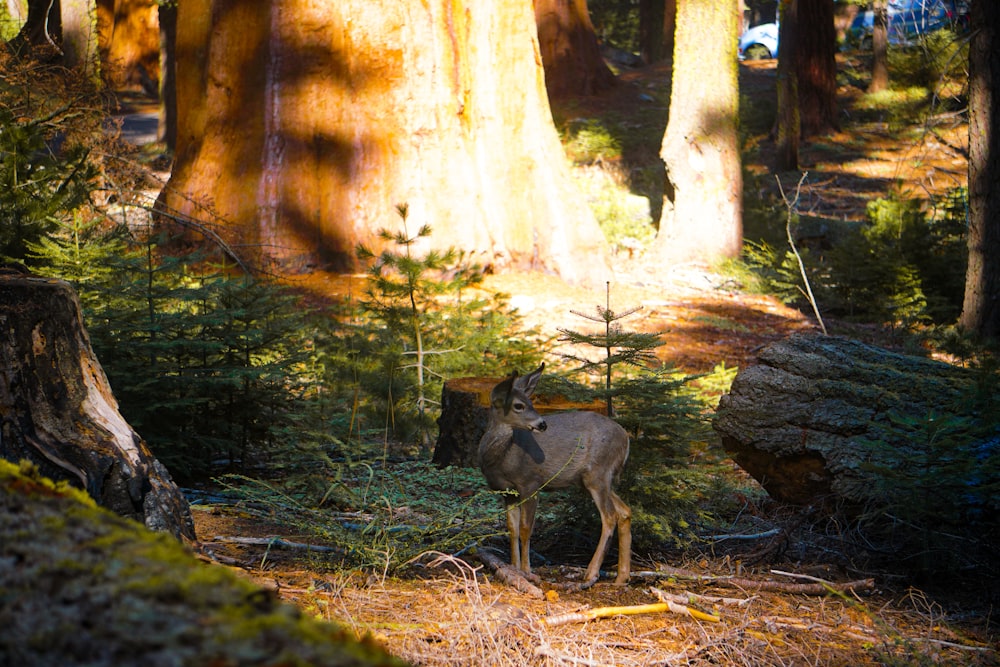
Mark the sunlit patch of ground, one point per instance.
(449, 611)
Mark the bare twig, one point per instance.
(790, 205)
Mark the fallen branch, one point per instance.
(753, 536)
(606, 612)
(508, 575)
(274, 542)
(685, 597)
(821, 588)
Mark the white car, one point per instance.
(759, 42)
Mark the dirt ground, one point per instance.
(454, 611)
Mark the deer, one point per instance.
(522, 453)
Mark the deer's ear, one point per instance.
(500, 396)
(528, 383)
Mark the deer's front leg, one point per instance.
(528, 507)
(513, 528)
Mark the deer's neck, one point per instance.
(495, 443)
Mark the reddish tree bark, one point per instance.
(301, 127)
(816, 67)
(657, 19)
(570, 53)
(130, 43)
(880, 47)
(788, 125)
(981, 309)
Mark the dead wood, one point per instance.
(608, 612)
(508, 574)
(821, 587)
(817, 414)
(275, 542)
(59, 413)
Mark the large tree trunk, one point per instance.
(42, 30)
(818, 417)
(58, 410)
(702, 207)
(570, 53)
(302, 127)
(981, 309)
(816, 67)
(130, 43)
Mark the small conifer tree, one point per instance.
(620, 346)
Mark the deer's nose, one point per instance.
(541, 426)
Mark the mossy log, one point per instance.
(465, 410)
(83, 586)
(822, 419)
(57, 409)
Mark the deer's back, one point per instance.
(574, 444)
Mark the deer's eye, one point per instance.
(518, 407)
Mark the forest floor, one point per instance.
(445, 613)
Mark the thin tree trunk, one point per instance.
(981, 309)
(788, 126)
(166, 130)
(880, 47)
(816, 67)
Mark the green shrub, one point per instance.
(904, 266)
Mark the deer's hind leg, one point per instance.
(614, 514)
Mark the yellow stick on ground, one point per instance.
(605, 612)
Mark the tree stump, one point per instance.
(465, 409)
(825, 419)
(58, 411)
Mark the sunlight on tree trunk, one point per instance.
(80, 38)
(302, 126)
(981, 309)
(130, 43)
(702, 207)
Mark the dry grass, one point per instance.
(448, 611)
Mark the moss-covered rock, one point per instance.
(80, 585)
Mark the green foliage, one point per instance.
(933, 485)
(417, 326)
(632, 348)
(616, 22)
(903, 267)
(386, 513)
(207, 368)
(43, 178)
(589, 141)
(668, 428)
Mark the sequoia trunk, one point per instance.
(302, 126)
